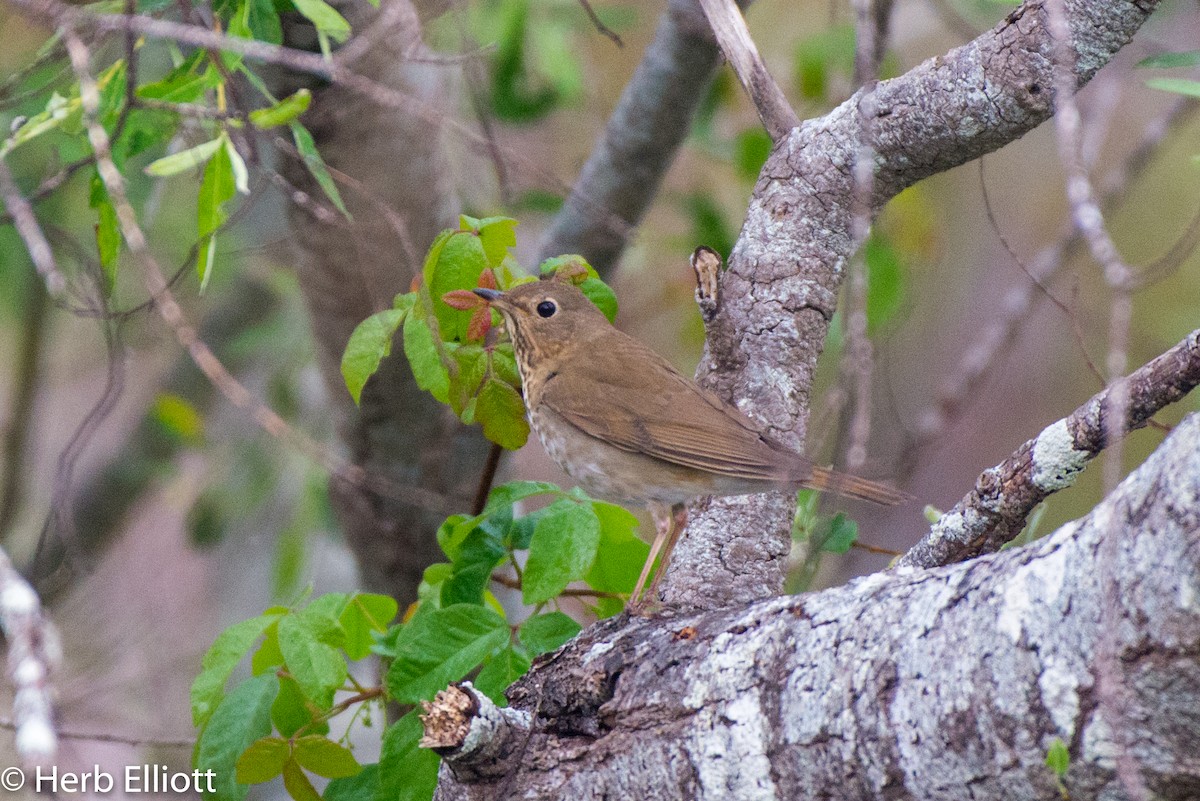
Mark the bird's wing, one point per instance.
(663, 414)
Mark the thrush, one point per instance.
(630, 428)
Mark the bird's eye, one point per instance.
(547, 308)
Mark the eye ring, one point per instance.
(547, 308)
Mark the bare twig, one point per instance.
(1067, 311)
(729, 26)
(569, 592)
(31, 232)
(600, 26)
(994, 512)
(649, 124)
(111, 737)
(486, 478)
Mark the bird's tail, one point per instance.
(825, 479)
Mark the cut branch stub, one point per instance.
(477, 739)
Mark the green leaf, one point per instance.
(505, 495)
(619, 558)
(363, 786)
(422, 352)
(112, 83)
(316, 165)
(841, 536)
(501, 412)
(544, 633)
(406, 771)
(282, 112)
(318, 668)
(268, 656)
(108, 243)
(460, 261)
(291, 711)
(58, 113)
(326, 758)
(263, 760)
(1058, 758)
(602, 295)
(241, 176)
(298, 786)
(454, 531)
(475, 556)
(365, 615)
(369, 345)
(442, 646)
(185, 160)
(243, 717)
(187, 83)
(434, 255)
(472, 361)
(216, 189)
(326, 19)
(1166, 61)
(263, 21)
(497, 235)
(1180, 86)
(562, 550)
(219, 661)
(500, 672)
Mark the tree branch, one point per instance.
(994, 512)
(781, 288)
(729, 26)
(903, 685)
(638, 145)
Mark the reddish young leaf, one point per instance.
(463, 299)
(487, 279)
(481, 323)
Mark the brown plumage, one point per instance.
(628, 426)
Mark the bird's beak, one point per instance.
(490, 295)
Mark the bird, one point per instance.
(629, 428)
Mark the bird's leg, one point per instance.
(668, 522)
(676, 522)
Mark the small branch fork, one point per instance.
(995, 511)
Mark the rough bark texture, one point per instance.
(347, 272)
(781, 288)
(939, 684)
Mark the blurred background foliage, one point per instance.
(208, 520)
